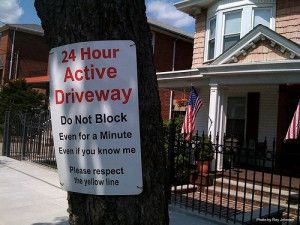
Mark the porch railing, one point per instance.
(234, 183)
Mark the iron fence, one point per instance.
(28, 136)
(234, 182)
(242, 183)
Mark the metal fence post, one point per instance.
(24, 136)
(6, 141)
(171, 156)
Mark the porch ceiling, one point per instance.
(279, 72)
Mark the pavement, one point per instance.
(30, 194)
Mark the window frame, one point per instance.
(247, 22)
(272, 18)
(223, 26)
(209, 39)
(244, 95)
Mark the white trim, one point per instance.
(183, 77)
(228, 4)
(272, 18)
(178, 72)
(213, 111)
(223, 27)
(207, 38)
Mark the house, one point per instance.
(246, 69)
(24, 54)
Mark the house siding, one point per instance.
(199, 41)
(288, 19)
(262, 53)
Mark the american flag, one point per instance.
(294, 129)
(192, 108)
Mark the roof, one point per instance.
(250, 40)
(193, 7)
(28, 28)
(37, 79)
(156, 25)
(171, 29)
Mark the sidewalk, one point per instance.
(30, 195)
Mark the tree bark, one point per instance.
(71, 21)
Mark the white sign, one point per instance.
(95, 117)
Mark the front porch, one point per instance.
(253, 104)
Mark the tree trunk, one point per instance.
(70, 21)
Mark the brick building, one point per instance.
(24, 54)
(246, 67)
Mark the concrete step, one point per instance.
(248, 198)
(256, 189)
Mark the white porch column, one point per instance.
(215, 119)
(213, 112)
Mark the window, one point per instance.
(232, 30)
(236, 110)
(228, 21)
(262, 16)
(212, 36)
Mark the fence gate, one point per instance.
(28, 136)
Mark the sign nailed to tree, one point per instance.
(95, 117)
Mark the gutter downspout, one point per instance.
(174, 54)
(17, 64)
(11, 55)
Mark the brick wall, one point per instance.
(32, 54)
(199, 41)
(288, 19)
(164, 95)
(163, 52)
(4, 52)
(184, 55)
(163, 59)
